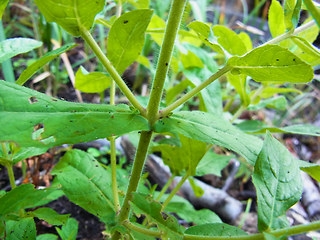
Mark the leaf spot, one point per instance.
(125, 21)
(33, 100)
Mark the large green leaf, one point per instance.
(184, 158)
(215, 230)
(126, 38)
(34, 67)
(14, 46)
(143, 204)
(272, 63)
(47, 236)
(94, 82)
(278, 183)
(24, 228)
(71, 15)
(211, 129)
(51, 122)
(86, 183)
(23, 196)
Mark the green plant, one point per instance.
(49, 122)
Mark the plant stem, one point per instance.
(114, 174)
(138, 164)
(174, 191)
(165, 187)
(86, 35)
(195, 91)
(174, 20)
(142, 230)
(289, 34)
(11, 176)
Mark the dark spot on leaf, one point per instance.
(294, 59)
(38, 126)
(9, 152)
(112, 116)
(139, 132)
(70, 121)
(33, 100)
(97, 165)
(277, 59)
(167, 64)
(54, 100)
(288, 171)
(125, 21)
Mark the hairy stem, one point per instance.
(170, 34)
(194, 91)
(174, 191)
(138, 164)
(11, 176)
(86, 35)
(114, 174)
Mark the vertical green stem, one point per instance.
(86, 35)
(173, 24)
(174, 191)
(138, 164)
(11, 176)
(165, 187)
(114, 175)
(7, 68)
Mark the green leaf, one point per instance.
(239, 83)
(94, 82)
(270, 91)
(139, 3)
(276, 19)
(3, 5)
(229, 40)
(157, 23)
(204, 32)
(272, 63)
(50, 216)
(279, 103)
(255, 126)
(186, 211)
(278, 183)
(271, 237)
(14, 46)
(72, 15)
(314, 11)
(27, 196)
(310, 53)
(173, 92)
(292, 13)
(68, 231)
(127, 37)
(215, 230)
(213, 163)
(24, 229)
(34, 67)
(143, 204)
(86, 183)
(51, 122)
(313, 171)
(47, 236)
(190, 60)
(211, 129)
(182, 159)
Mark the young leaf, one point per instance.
(312, 169)
(24, 228)
(182, 159)
(275, 103)
(211, 129)
(69, 231)
(272, 63)
(3, 4)
(239, 83)
(86, 183)
(292, 13)
(278, 183)
(71, 15)
(14, 46)
(51, 122)
(229, 40)
(126, 38)
(184, 209)
(215, 230)
(34, 67)
(276, 19)
(212, 163)
(143, 204)
(27, 195)
(49, 215)
(94, 82)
